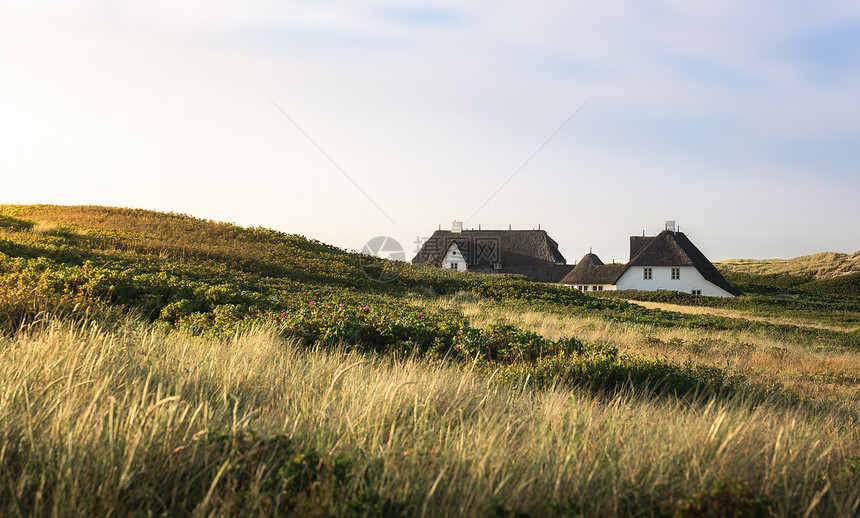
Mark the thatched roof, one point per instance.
(591, 270)
(675, 249)
(637, 243)
(525, 252)
(665, 249)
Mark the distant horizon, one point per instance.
(347, 121)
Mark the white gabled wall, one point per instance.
(454, 257)
(661, 279)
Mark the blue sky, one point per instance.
(741, 122)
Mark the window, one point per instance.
(454, 266)
(696, 292)
(646, 274)
(676, 274)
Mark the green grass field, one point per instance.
(157, 364)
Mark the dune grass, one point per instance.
(114, 422)
(820, 265)
(208, 404)
(806, 368)
(736, 313)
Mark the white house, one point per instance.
(667, 261)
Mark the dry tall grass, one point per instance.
(734, 313)
(821, 265)
(808, 368)
(99, 422)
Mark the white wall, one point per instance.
(592, 287)
(454, 257)
(661, 279)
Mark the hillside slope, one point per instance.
(826, 274)
(263, 373)
(822, 265)
(183, 271)
(199, 275)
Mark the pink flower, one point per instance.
(291, 326)
(457, 347)
(366, 309)
(76, 279)
(419, 315)
(341, 304)
(283, 314)
(460, 332)
(312, 303)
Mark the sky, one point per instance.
(343, 121)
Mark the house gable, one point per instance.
(454, 259)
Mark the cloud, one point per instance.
(430, 106)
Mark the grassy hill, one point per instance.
(153, 260)
(822, 265)
(823, 274)
(156, 363)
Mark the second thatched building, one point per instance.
(667, 261)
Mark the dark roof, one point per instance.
(591, 270)
(665, 249)
(675, 249)
(525, 252)
(637, 243)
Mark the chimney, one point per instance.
(670, 225)
(456, 226)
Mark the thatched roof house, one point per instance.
(524, 252)
(667, 261)
(591, 271)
